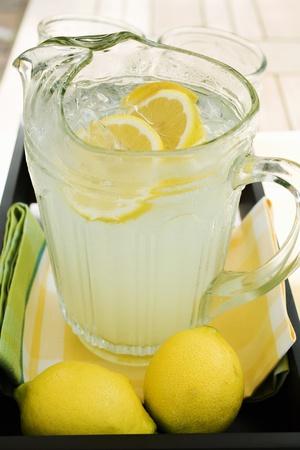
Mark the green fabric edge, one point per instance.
(12, 237)
(24, 244)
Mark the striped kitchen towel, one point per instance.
(260, 331)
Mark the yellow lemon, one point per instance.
(171, 110)
(194, 383)
(81, 398)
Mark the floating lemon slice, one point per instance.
(160, 115)
(106, 207)
(170, 109)
(126, 131)
(122, 131)
(144, 91)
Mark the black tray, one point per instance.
(273, 423)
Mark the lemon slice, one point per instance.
(121, 131)
(106, 207)
(171, 110)
(125, 131)
(145, 91)
(98, 135)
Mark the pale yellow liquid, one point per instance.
(136, 283)
(125, 287)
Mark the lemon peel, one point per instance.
(75, 397)
(194, 383)
(171, 110)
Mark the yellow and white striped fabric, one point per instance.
(260, 331)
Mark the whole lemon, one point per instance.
(194, 383)
(81, 398)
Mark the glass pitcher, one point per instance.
(138, 239)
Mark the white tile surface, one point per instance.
(111, 8)
(283, 56)
(246, 22)
(280, 17)
(291, 94)
(138, 12)
(217, 14)
(172, 13)
(272, 111)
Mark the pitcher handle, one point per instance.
(231, 289)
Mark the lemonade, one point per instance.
(138, 187)
(131, 268)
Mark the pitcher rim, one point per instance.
(91, 42)
(165, 153)
(187, 150)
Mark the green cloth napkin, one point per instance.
(23, 244)
(22, 249)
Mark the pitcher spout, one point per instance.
(67, 55)
(24, 68)
(46, 68)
